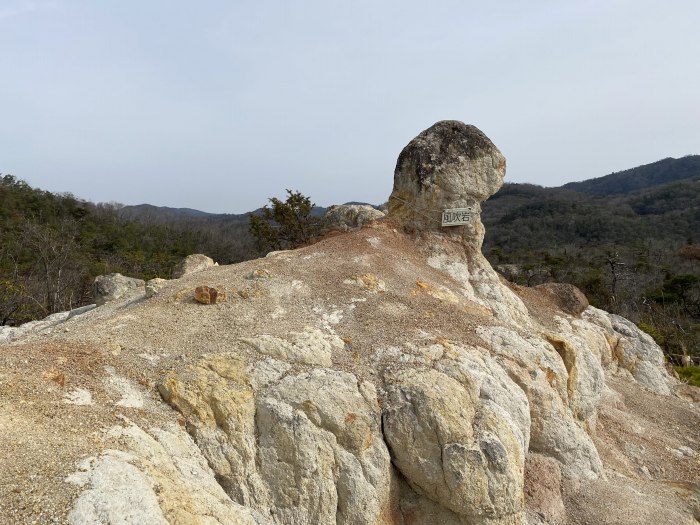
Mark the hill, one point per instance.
(151, 212)
(167, 215)
(627, 252)
(641, 177)
(52, 246)
(524, 216)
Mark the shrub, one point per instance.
(691, 374)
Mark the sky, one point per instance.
(219, 105)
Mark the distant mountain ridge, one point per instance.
(642, 177)
(634, 204)
(165, 213)
(143, 209)
(159, 213)
(661, 199)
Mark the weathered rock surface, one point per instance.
(349, 217)
(115, 286)
(449, 165)
(310, 347)
(43, 326)
(567, 297)
(153, 286)
(191, 264)
(543, 497)
(164, 480)
(461, 453)
(307, 449)
(633, 350)
(209, 295)
(386, 376)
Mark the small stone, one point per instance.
(154, 286)
(259, 273)
(687, 451)
(56, 376)
(369, 281)
(209, 295)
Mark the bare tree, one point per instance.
(59, 271)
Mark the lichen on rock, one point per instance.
(449, 165)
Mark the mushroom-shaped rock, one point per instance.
(450, 165)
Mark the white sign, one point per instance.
(457, 216)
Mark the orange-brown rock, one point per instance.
(209, 295)
(566, 296)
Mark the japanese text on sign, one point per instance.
(457, 216)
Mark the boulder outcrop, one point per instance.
(349, 217)
(153, 286)
(115, 286)
(385, 376)
(450, 165)
(43, 326)
(191, 264)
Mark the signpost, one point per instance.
(457, 216)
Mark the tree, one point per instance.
(56, 254)
(286, 224)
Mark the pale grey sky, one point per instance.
(217, 105)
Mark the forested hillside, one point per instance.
(636, 253)
(224, 237)
(641, 177)
(52, 247)
(633, 251)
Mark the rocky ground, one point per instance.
(386, 375)
(64, 391)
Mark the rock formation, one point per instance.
(350, 217)
(385, 376)
(450, 165)
(153, 286)
(116, 286)
(209, 295)
(193, 263)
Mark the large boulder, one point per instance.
(191, 264)
(449, 165)
(116, 286)
(461, 453)
(565, 296)
(633, 350)
(453, 166)
(348, 217)
(307, 449)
